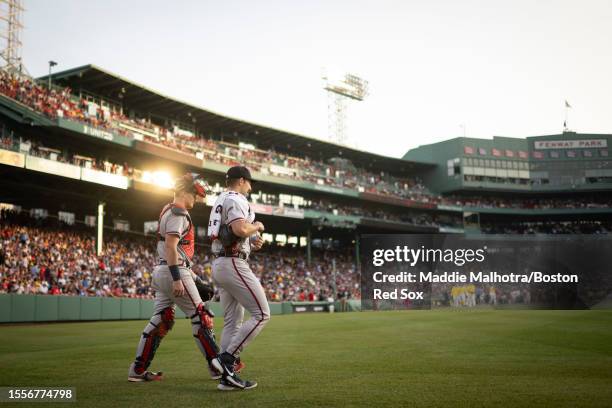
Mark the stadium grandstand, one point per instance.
(95, 150)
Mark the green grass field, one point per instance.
(420, 358)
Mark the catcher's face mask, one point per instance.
(199, 187)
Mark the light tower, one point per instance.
(10, 34)
(340, 89)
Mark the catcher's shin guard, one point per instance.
(202, 326)
(154, 332)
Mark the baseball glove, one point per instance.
(227, 236)
(206, 290)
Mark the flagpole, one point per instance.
(567, 106)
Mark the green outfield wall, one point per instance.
(45, 308)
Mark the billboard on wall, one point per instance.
(102, 177)
(53, 167)
(11, 158)
(570, 144)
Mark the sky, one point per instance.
(437, 69)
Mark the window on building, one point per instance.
(457, 166)
(453, 166)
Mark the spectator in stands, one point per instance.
(45, 256)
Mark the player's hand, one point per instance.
(177, 288)
(257, 243)
(260, 226)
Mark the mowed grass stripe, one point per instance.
(420, 358)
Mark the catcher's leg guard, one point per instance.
(202, 326)
(154, 332)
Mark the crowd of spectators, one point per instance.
(419, 218)
(286, 276)
(404, 215)
(35, 148)
(45, 256)
(9, 141)
(50, 102)
(59, 102)
(584, 201)
(548, 227)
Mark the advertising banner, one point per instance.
(53, 167)
(102, 177)
(11, 158)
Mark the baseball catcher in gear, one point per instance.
(176, 284)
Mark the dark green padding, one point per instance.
(46, 308)
(130, 308)
(91, 308)
(69, 308)
(111, 308)
(23, 308)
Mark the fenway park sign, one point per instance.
(571, 144)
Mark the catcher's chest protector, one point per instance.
(186, 243)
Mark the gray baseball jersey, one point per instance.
(171, 223)
(239, 288)
(235, 208)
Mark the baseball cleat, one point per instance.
(146, 376)
(230, 378)
(225, 385)
(216, 364)
(214, 373)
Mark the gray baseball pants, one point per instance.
(239, 289)
(165, 302)
(162, 284)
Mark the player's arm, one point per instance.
(172, 258)
(244, 229)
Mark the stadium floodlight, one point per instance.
(340, 89)
(160, 178)
(10, 34)
(348, 85)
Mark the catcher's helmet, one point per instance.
(191, 183)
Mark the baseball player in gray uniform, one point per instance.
(234, 232)
(175, 283)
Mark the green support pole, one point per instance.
(357, 250)
(308, 249)
(100, 235)
(335, 288)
